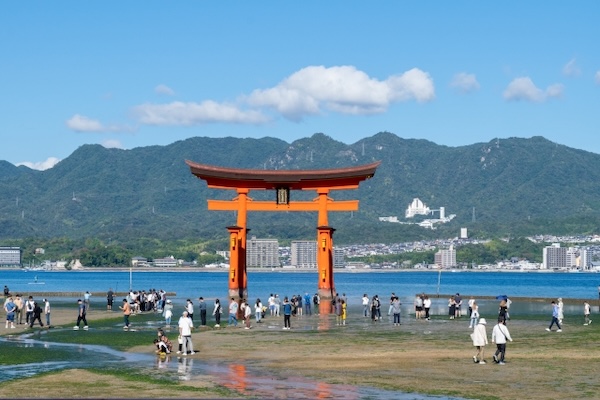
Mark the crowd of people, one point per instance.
(18, 308)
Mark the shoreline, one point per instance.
(294, 270)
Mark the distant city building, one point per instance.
(40, 250)
(463, 233)
(338, 258)
(263, 253)
(446, 258)
(585, 259)
(304, 253)
(165, 262)
(139, 261)
(224, 253)
(554, 257)
(10, 256)
(572, 256)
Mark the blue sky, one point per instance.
(140, 73)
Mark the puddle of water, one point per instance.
(247, 382)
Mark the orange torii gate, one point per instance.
(244, 180)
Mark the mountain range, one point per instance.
(511, 186)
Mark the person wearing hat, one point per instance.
(479, 337)
(168, 312)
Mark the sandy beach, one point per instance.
(433, 357)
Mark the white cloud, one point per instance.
(179, 113)
(42, 165)
(597, 77)
(342, 89)
(464, 83)
(112, 144)
(524, 89)
(571, 68)
(164, 90)
(81, 123)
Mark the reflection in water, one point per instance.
(237, 377)
(184, 368)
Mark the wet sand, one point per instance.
(419, 356)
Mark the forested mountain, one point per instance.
(508, 186)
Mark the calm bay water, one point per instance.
(212, 285)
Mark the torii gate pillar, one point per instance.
(326, 288)
(238, 288)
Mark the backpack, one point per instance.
(315, 299)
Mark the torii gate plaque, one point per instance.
(282, 182)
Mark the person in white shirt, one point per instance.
(586, 313)
(47, 311)
(500, 336)
(185, 332)
(365, 304)
(474, 309)
(426, 307)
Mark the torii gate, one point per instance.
(244, 180)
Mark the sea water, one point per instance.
(210, 285)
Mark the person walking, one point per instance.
(258, 310)
(247, 314)
(500, 336)
(554, 318)
(81, 311)
(365, 304)
(474, 311)
(20, 304)
(10, 307)
(217, 311)
(109, 299)
(233, 309)
(185, 333)
(47, 311)
(396, 309)
(202, 308)
(307, 305)
(427, 307)
(29, 305)
(126, 313)
(190, 309)
(167, 312)
(586, 313)
(561, 314)
(37, 315)
(479, 337)
(287, 313)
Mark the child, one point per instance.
(343, 312)
(164, 339)
(586, 313)
(161, 347)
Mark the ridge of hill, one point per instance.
(508, 186)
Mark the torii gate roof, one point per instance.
(232, 178)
